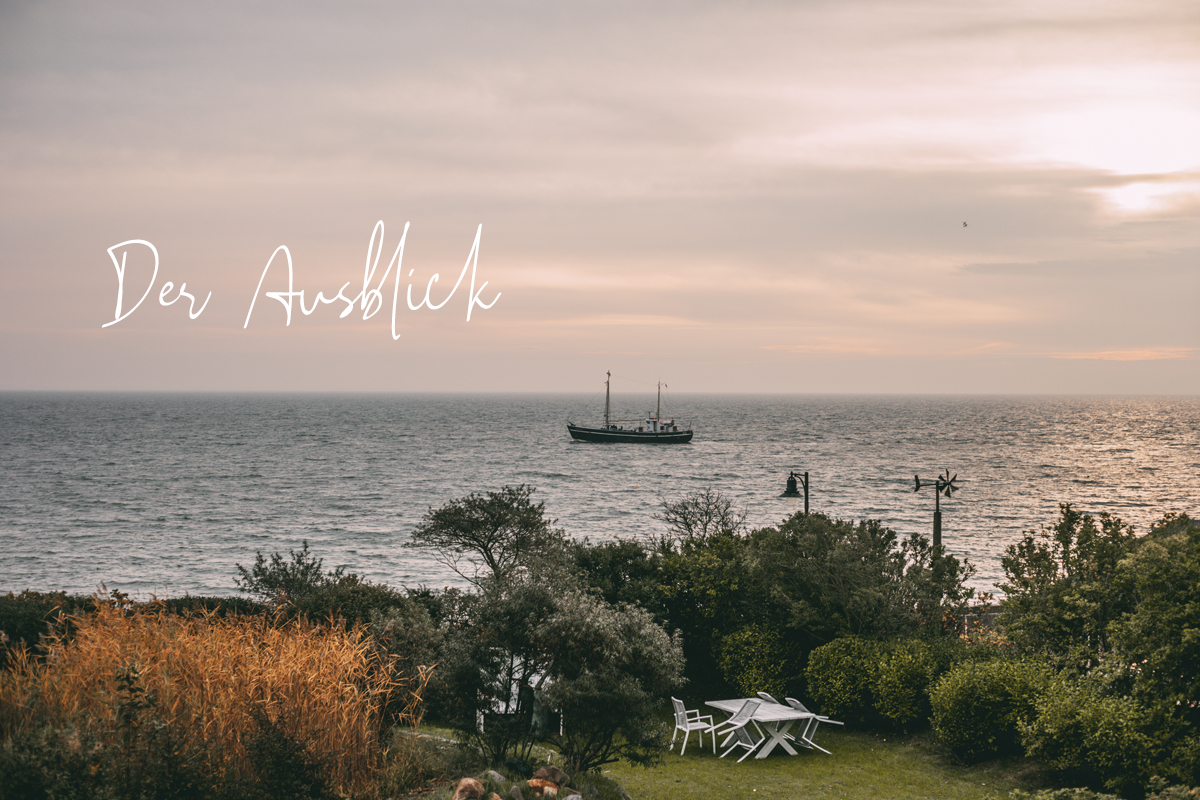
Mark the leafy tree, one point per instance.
(527, 642)
(1156, 645)
(493, 661)
(1061, 593)
(285, 580)
(608, 669)
(1160, 637)
(700, 516)
(504, 530)
(352, 599)
(707, 594)
(840, 577)
(1118, 615)
(624, 571)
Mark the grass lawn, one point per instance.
(863, 765)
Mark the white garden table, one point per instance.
(775, 720)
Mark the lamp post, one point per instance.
(943, 485)
(793, 491)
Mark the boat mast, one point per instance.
(658, 412)
(606, 380)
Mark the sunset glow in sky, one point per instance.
(730, 197)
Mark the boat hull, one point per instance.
(620, 436)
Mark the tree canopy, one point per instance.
(499, 531)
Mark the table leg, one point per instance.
(775, 736)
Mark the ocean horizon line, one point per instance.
(548, 392)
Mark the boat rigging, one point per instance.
(652, 429)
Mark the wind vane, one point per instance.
(943, 485)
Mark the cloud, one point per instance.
(1133, 354)
(755, 184)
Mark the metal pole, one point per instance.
(607, 378)
(937, 520)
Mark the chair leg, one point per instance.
(673, 735)
(685, 738)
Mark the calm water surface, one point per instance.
(165, 493)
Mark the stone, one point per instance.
(495, 777)
(552, 773)
(514, 792)
(543, 787)
(494, 796)
(469, 789)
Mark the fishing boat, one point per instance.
(652, 429)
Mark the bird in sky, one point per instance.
(964, 224)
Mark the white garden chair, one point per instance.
(739, 719)
(688, 721)
(805, 737)
(741, 738)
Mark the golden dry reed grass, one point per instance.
(322, 685)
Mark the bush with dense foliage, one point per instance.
(758, 658)
(607, 671)
(842, 675)
(1093, 735)
(531, 645)
(625, 571)
(283, 580)
(26, 617)
(1060, 589)
(1117, 615)
(810, 580)
(907, 670)
(837, 578)
(707, 594)
(978, 706)
(886, 682)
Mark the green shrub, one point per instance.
(978, 706)
(221, 606)
(1061, 794)
(1160, 790)
(902, 681)
(25, 617)
(756, 658)
(51, 763)
(283, 580)
(841, 675)
(1104, 737)
(352, 599)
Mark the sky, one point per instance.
(862, 196)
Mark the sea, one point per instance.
(163, 495)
